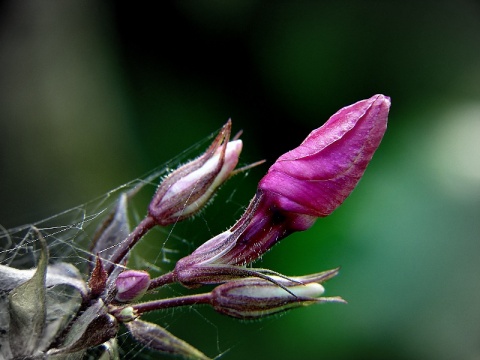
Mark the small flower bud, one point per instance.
(131, 285)
(189, 188)
(252, 298)
(124, 314)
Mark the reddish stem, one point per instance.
(172, 302)
(122, 250)
(164, 279)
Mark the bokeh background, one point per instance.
(94, 94)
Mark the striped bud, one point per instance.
(189, 188)
(253, 298)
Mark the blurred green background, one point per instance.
(94, 94)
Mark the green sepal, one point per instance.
(27, 308)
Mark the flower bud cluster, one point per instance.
(307, 182)
(304, 184)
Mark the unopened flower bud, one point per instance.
(189, 188)
(131, 285)
(252, 298)
(317, 176)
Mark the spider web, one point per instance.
(70, 235)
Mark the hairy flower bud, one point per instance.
(252, 298)
(189, 188)
(131, 285)
(307, 182)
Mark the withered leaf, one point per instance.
(57, 274)
(92, 328)
(98, 279)
(27, 308)
(113, 230)
(63, 302)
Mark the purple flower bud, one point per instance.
(131, 285)
(189, 188)
(252, 298)
(316, 177)
(308, 182)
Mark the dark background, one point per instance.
(94, 94)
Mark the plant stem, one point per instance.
(140, 230)
(164, 279)
(195, 299)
